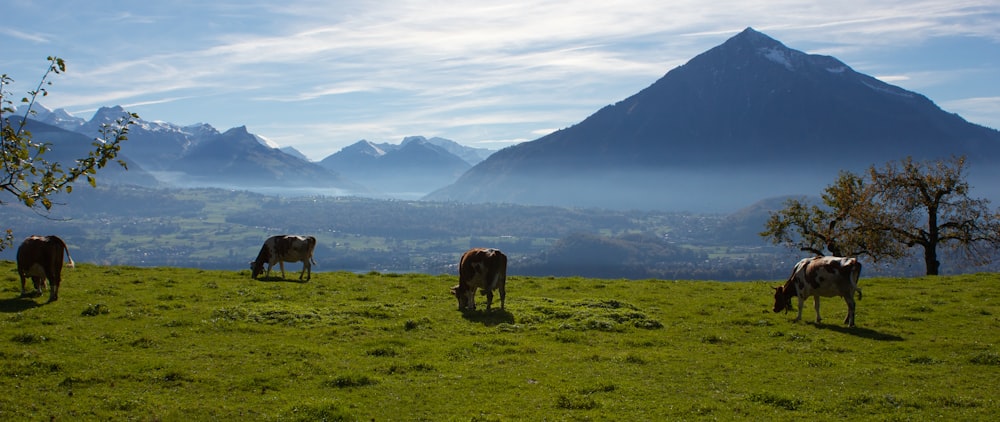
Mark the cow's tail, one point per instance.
(855, 275)
(71, 264)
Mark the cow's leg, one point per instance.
(816, 305)
(306, 267)
(281, 264)
(23, 279)
(802, 301)
(849, 320)
(489, 299)
(503, 296)
(54, 291)
(54, 279)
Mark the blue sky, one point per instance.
(320, 75)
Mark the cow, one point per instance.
(826, 276)
(481, 268)
(281, 249)
(41, 258)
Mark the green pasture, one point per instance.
(127, 343)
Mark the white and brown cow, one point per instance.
(481, 268)
(281, 249)
(826, 276)
(40, 257)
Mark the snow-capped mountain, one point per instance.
(58, 117)
(198, 155)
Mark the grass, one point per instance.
(126, 343)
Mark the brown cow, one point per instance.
(484, 269)
(285, 248)
(40, 257)
(826, 276)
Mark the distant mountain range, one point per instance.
(166, 154)
(746, 120)
(408, 169)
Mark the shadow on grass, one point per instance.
(17, 304)
(273, 279)
(867, 333)
(489, 318)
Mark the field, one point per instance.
(127, 343)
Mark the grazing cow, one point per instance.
(826, 276)
(40, 257)
(484, 269)
(285, 248)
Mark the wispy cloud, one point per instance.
(25, 36)
(329, 72)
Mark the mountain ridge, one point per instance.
(748, 119)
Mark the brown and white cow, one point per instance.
(40, 257)
(826, 276)
(481, 268)
(281, 249)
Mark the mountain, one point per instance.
(199, 156)
(471, 155)
(67, 146)
(156, 145)
(238, 158)
(294, 153)
(748, 119)
(58, 117)
(409, 170)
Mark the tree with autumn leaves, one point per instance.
(27, 177)
(888, 211)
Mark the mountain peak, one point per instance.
(755, 38)
(237, 131)
(727, 127)
(409, 139)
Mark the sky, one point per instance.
(321, 75)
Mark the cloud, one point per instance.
(25, 36)
(981, 110)
(317, 75)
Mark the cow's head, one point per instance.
(464, 296)
(256, 268)
(782, 300)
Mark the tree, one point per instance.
(27, 176)
(891, 210)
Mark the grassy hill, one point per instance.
(127, 343)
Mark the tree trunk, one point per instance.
(930, 259)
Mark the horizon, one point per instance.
(318, 77)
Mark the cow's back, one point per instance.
(41, 256)
(830, 276)
(474, 266)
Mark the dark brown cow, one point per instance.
(484, 269)
(826, 276)
(40, 257)
(285, 248)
